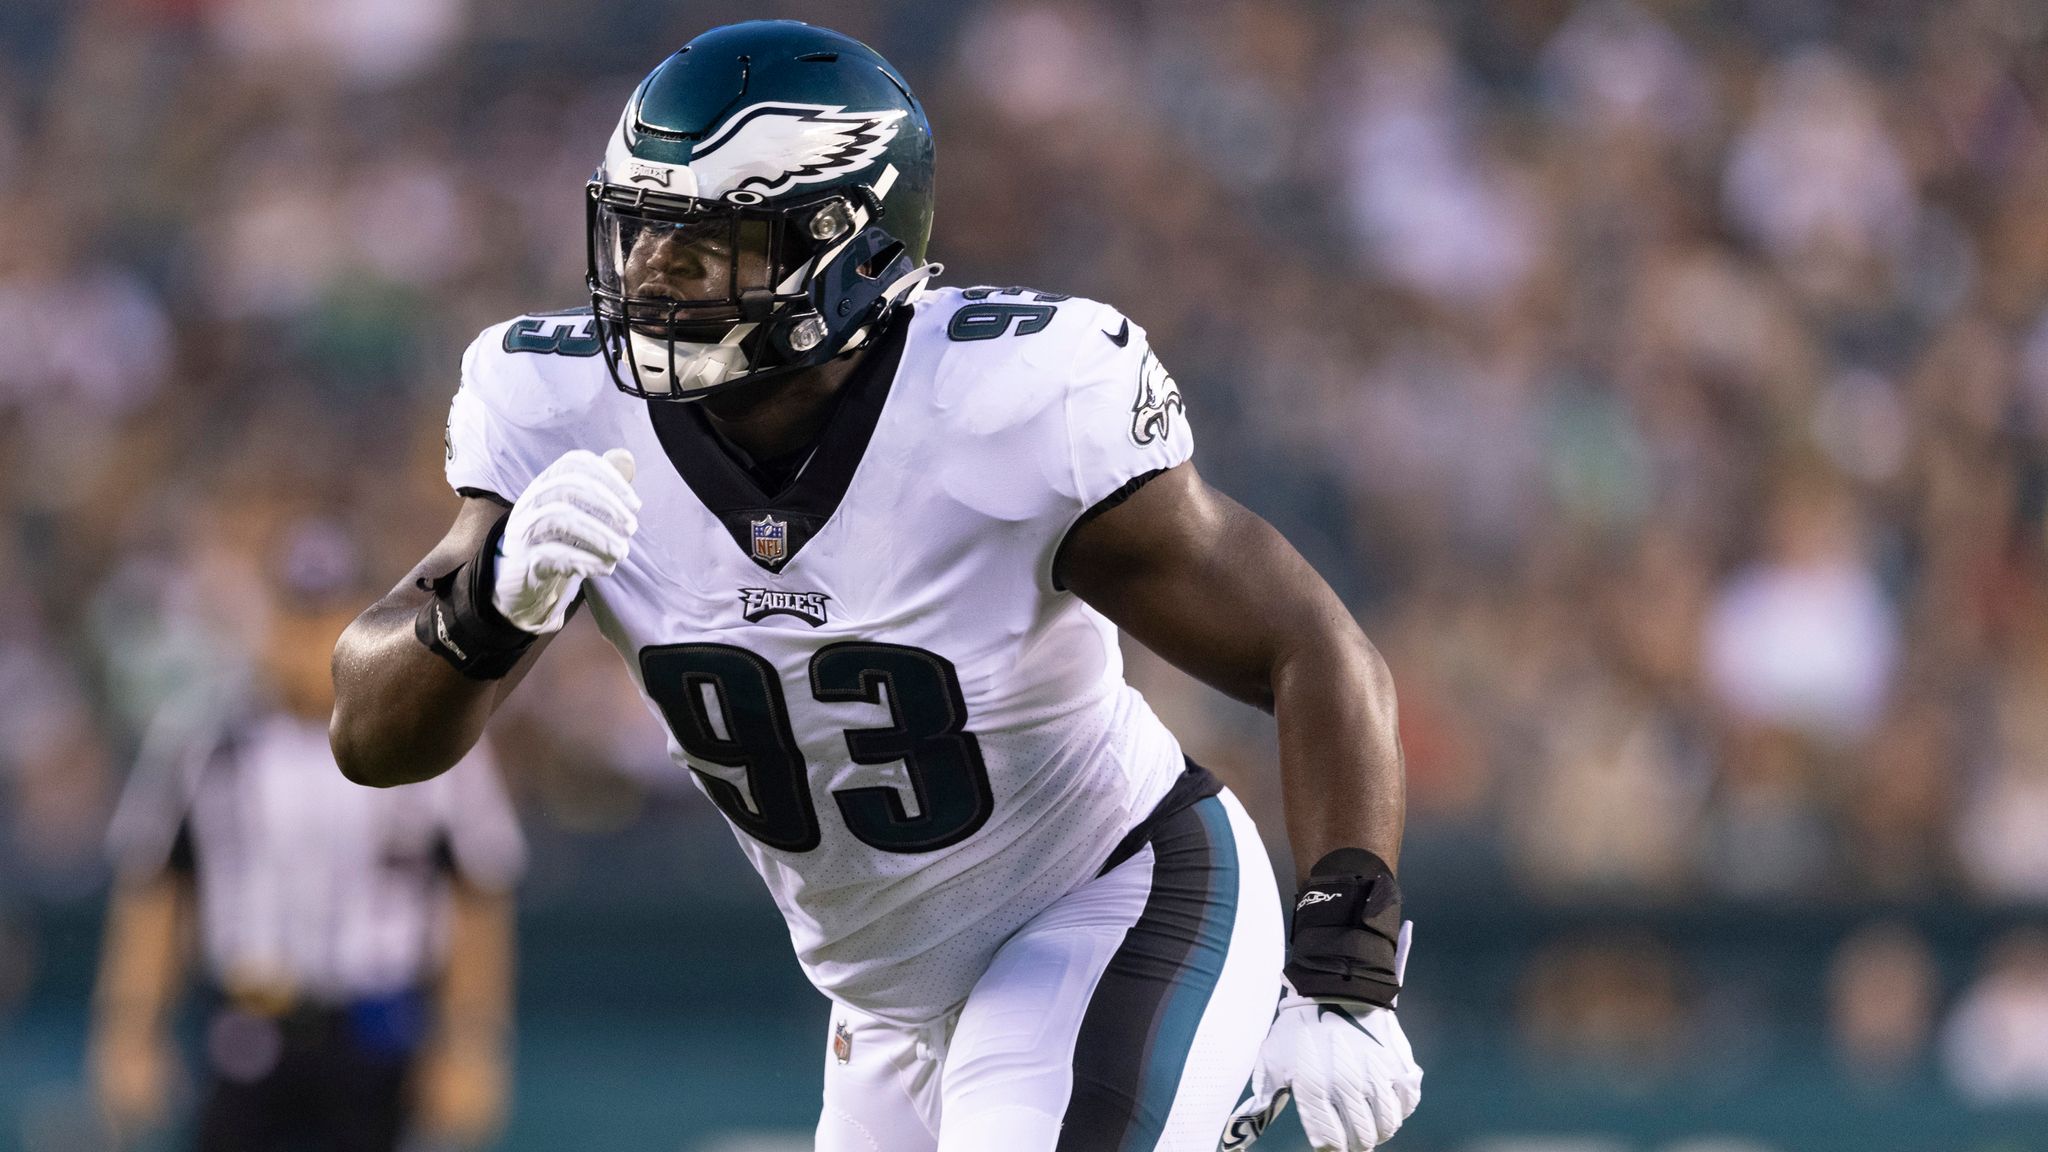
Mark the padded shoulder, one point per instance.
(527, 384)
(1004, 354)
(1067, 383)
(537, 369)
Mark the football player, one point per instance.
(865, 545)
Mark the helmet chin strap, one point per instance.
(912, 282)
(698, 366)
(905, 287)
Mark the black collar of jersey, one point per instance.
(770, 528)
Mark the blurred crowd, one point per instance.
(1664, 382)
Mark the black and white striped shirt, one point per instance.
(307, 883)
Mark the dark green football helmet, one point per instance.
(761, 209)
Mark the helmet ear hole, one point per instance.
(872, 267)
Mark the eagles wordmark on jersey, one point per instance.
(928, 521)
(827, 512)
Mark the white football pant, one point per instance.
(1124, 1018)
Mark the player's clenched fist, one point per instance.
(1335, 1046)
(576, 520)
(573, 522)
(1348, 1068)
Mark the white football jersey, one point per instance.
(920, 740)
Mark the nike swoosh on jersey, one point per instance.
(1331, 1009)
(1121, 336)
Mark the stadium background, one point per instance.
(1665, 382)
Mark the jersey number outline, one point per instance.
(987, 319)
(553, 333)
(927, 735)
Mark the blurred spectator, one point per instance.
(374, 43)
(56, 782)
(1612, 809)
(1766, 830)
(1431, 209)
(1882, 993)
(2003, 834)
(1898, 802)
(1817, 181)
(1613, 67)
(17, 960)
(1046, 64)
(1611, 1005)
(1996, 1041)
(81, 339)
(1805, 638)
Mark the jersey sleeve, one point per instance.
(479, 441)
(483, 837)
(1124, 416)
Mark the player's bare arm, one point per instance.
(402, 713)
(132, 1061)
(1201, 580)
(462, 1077)
(1204, 582)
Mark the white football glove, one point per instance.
(1348, 1068)
(573, 522)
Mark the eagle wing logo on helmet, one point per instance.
(770, 148)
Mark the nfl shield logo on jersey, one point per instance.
(842, 1042)
(771, 539)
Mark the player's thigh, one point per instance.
(1009, 1063)
(881, 1086)
(1126, 1018)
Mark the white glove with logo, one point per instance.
(1348, 1068)
(573, 522)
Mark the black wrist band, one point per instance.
(461, 625)
(1347, 928)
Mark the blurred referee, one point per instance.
(355, 942)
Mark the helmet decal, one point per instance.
(767, 149)
(657, 175)
(762, 207)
